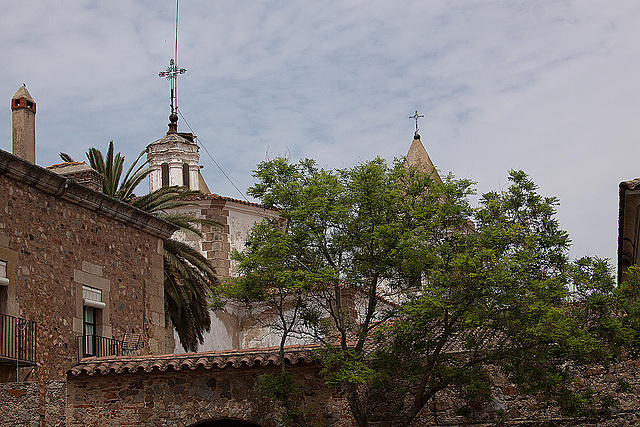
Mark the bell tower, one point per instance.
(23, 121)
(173, 159)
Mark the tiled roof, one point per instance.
(65, 164)
(295, 355)
(213, 196)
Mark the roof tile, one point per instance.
(295, 355)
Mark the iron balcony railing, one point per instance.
(97, 346)
(17, 340)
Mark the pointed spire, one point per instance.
(22, 92)
(418, 157)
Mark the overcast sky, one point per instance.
(550, 87)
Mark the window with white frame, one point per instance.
(4, 280)
(92, 311)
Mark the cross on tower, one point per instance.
(171, 73)
(416, 117)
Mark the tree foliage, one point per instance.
(413, 292)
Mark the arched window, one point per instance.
(185, 175)
(165, 174)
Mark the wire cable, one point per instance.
(252, 204)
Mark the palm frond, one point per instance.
(66, 158)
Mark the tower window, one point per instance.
(17, 102)
(185, 175)
(165, 174)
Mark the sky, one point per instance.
(549, 87)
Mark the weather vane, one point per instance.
(173, 71)
(416, 116)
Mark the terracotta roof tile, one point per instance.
(295, 355)
(213, 196)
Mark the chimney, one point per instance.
(23, 120)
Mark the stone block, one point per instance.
(92, 280)
(87, 267)
(156, 303)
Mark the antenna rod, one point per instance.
(175, 56)
(173, 71)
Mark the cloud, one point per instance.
(550, 87)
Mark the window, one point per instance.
(92, 311)
(4, 281)
(185, 175)
(3, 272)
(89, 332)
(165, 174)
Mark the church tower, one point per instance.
(173, 159)
(23, 121)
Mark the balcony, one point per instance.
(97, 346)
(17, 341)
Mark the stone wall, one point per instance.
(184, 398)
(19, 404)
(510, 407)
(59, 246)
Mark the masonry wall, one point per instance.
(53, 247)
(186, 397)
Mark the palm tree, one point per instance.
(111, 170)
(189, 279)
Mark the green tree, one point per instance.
(189, 279)
(413, 292)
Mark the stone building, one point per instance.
(80, 272)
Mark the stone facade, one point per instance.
(56, 237)
(57, 241)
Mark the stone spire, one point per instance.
(418, 158)
(23, 120)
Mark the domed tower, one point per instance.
(173, 159)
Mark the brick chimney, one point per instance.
(23, 120)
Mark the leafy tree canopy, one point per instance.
(414, 292)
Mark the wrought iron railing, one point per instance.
(17, 340)
(97, 346)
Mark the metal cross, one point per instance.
(171, 73)
(416, 117)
